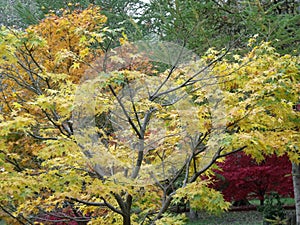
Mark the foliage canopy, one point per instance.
(235, 102)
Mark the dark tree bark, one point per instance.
(296, 182)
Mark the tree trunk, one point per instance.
(125, 207)
(193, 215)
(296, 182)
(262, 202)
(126, 220)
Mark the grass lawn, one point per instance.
(230, 218)
(238, 217)
(285, 201)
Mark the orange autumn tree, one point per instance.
(178, 123)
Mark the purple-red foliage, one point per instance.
(243, 178)
(66, 216)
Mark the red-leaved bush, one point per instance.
(66, 216)
(242, 178)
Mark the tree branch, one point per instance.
(42, 138)
(126, 113)
(14, 217)
(100, 204)
(232, 152)
(216, 156)
(133, 107)
(188, 81)
(121, 204)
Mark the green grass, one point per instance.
(237, 218)
(285, 201)
(230, 218)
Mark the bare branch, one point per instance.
(100, 204)
(146, 120)
(164, 208)
(42, 138)
(162, 84)
(190, 80)
(216, 156)
(120, 203)
(126, 113)
(31, 56)
(112, 207)
(14, 217)
(232, 152)
(133, 107)
(141, 147)
(213, 160)
(151, 97)
(157, 182)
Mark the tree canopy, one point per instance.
(115, 138)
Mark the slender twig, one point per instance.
(161, 138)
(15, 163)
(232, 152)
(162, 84)
(157, 182)
(31, 56)
(22, 83)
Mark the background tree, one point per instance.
(122, 14)
(9, 15)
(210, 23)
(242, 178)
(198, 24)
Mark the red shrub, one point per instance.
(242, 178)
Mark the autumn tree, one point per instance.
(117, 139)
(39, 72)
(43, 58)
(242, 178)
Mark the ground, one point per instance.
(233, 218)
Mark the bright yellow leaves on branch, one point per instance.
(261, 90)
(201, 197)
(39, 70)
(40, 67)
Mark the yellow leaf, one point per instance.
(76, 65)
